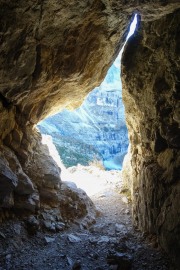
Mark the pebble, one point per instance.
(73, 239)
(2, 235)
(8, 257)
(119, 227)
(49, 239)
(102, 196)
(103, 239)
(125, 199)
(60, 226)
(32, 225)
(15, 244)
(70, 261)
(17, 229)
(50, 226)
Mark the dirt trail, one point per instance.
(111, 243)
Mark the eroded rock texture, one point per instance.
(151, 95)
(49, 50)
(30, 178)
(52, 53)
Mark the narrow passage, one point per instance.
(110, 243)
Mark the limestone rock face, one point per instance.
(51, 49)
(8, 182)
(151, 94)
(52, 53)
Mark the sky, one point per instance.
(131, 32)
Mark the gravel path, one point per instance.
(110, 243)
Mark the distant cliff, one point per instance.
(95, 130)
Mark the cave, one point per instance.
(52, 55)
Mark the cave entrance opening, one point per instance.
(94, 135)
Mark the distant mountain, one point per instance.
(96, 130)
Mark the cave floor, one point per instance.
(112, 239)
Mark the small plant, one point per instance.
(97, 163)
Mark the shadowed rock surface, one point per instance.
(52, 54)
(151, 95)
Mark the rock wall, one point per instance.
(52, 53)
(30, 182)
(51, 49)
(150, 72)
(25, 160)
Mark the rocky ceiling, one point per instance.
(52, 53)
(50, 50)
